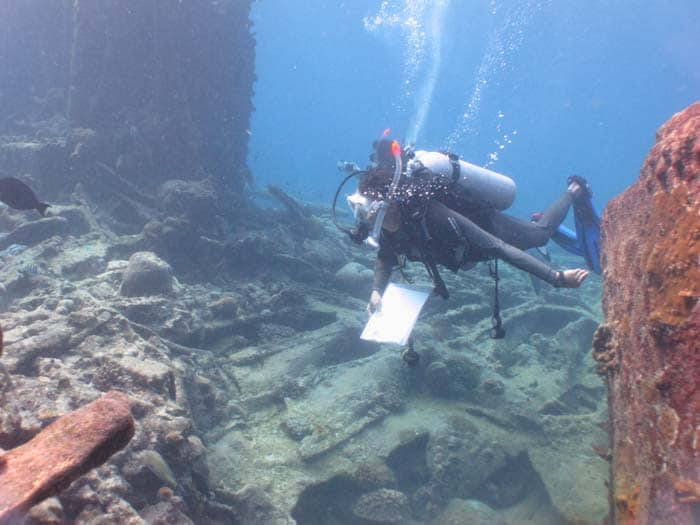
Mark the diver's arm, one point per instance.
(382, 273)
(386, 260)
(539, 268)
(527, 262)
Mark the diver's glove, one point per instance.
(375, 302)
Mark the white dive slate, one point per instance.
(400, 307)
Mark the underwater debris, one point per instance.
(291, 204)
(83, 439)
(298, 213)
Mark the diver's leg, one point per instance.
(448, 226)
(528, 234)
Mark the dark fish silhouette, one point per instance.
(16, 194)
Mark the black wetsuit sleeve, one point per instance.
(528, 263)
(383, 266)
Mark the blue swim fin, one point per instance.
(587, 223)
(568, 240)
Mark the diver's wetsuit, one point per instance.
(442, 235)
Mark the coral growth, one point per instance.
(651, 247)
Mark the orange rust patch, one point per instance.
(672, 262)
(626, 505)
(667, 424)
(687, 491)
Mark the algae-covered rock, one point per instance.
(468, 512)
(355, 278)
(194, 200)
(452, 378)
(460, 457)
(382, 506)
(375, 475)
(147, 274)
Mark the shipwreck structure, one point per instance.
(115, 89)
(649, 350)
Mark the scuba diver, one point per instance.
(434, 208)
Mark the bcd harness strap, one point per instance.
(454, 160)
(497, 332)
(439, 287)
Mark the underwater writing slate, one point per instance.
(395, 320)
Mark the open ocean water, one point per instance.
(537, 90)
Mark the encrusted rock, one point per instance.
(382, 506)
(166, 512)
(437, 378)
(297, 425)
(147, 274)
(370, 476)
(453, 378)
(48, 512)
(355, 277)
(224, 308)
(468, 512)
(651, 300)
(459, 458)
(62, 452)
(32, 233)
(494, 386)
(129, 371)
(195, 200)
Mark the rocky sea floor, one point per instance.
(237, 340)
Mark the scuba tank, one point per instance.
(488, 186)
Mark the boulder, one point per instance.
(468, 512)
(146, 274)
(455, 377)
(382, 506)
(460, 458)
(356, 278)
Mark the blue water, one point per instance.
(536, 90)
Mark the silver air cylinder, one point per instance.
(485, 185)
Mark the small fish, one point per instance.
(30, 270)
(16, 194)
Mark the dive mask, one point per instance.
(367, 211)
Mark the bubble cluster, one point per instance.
(502, 140)
(504, 42)
(407, 17)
